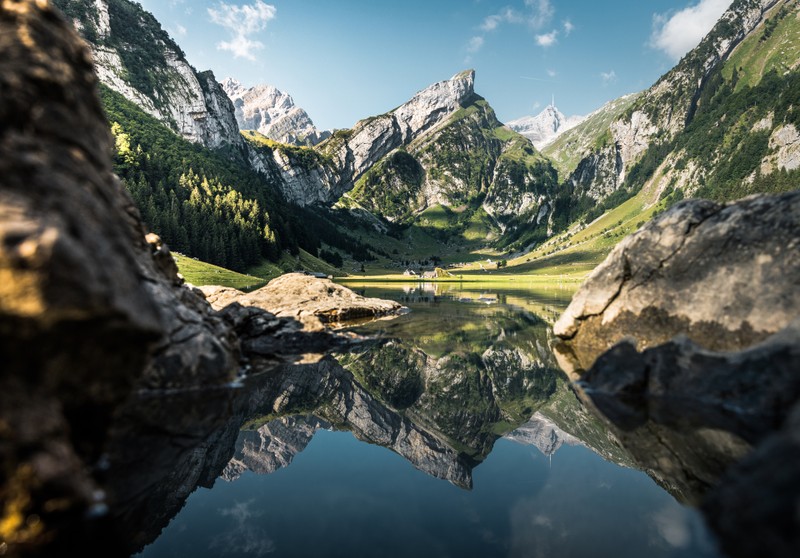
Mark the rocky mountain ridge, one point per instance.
(545, 127)
(272, 113)
(134, 56)
(668, 107)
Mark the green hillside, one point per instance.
(775, 46)
(200, 273)
(570, 147)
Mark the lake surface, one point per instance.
(453, 434)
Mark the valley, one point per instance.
(228, 328)
(439, 181)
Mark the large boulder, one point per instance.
(92, 308)
(687, 341)
(312, 301)
(754, 509)
(77, 322)
(725, 275)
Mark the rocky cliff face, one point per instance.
(336, 166)
(272, 112)
(664, 110)
(545, 127)
(460, 157)
(134, 56)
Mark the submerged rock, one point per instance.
(725, 275)
(312, 301)
(686, 414)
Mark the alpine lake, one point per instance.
(452, 432)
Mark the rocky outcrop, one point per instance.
(687, 413)
(91, 308)
(272, 113)
(725, 275)
(784, 142)
(433, 104)
(709, 292)
(664, 110)
(545, 127)
(753, 509)
(311, 301)
(148, 68)
(77, 323)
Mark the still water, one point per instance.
(454, 434)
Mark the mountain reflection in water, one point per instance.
(440, 387)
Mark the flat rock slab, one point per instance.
(314, 302)
(725, 275)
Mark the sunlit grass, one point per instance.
(202, 273)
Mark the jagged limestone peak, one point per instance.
(271, 112)
(429, 106)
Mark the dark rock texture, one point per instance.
(754, 510)
(91, 308)
(686, 414)
(77, 321)
(710, 294)
(724, 275)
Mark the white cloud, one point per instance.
(541, 13)
(568, 27)
(475, 44)
(608, 77)
(507, 15)
(551, 73)
(547, 39)
(180, 30)
(679, 32)
(241, 22)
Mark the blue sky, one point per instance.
(345, 60)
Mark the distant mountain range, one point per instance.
(545, 127)
(440, 172)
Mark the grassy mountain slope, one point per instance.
(738, 141)
(594, 132)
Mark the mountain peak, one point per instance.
(271, 112)
(431, 105)
(546, 126)
(466, 75)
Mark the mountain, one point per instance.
(545, 127)
(630, 141)
(135, 57)
(443, 152)
(194, 178)
(272, 113)
(440, 172)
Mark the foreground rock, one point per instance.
(314, 302)
(91, 308)
(708, 293)
(724, 275)
(686, 414)
(754, 509)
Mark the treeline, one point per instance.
(202, 203)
